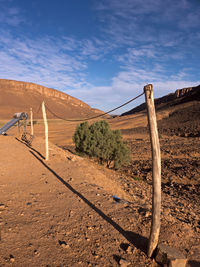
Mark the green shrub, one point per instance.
(99, 141)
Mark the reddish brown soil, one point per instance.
(62, 212)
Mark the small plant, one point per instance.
(99, 141)
(136, 178)
(34, 122)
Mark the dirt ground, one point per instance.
(62, 212)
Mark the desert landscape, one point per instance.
(71, 211)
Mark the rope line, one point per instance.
(94, 117)
(38, 109)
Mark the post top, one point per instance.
(148, 87)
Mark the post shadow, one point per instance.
(194, 263)
(140, 242)
(30, 148)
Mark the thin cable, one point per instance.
(39, 107)
(95, 117)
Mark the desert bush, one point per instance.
(99, 141)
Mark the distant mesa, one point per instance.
(17, 96)
(179, 97)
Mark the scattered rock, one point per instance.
(71, 213)
(127, 248)
(12, 259)
(63, 244)
(90, 228)
(169, 256)
(124, 263)
(36, 252)
(130, 250)
(147, 214)
(2, 206)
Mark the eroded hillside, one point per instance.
(18, 96)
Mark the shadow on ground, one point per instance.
(194, 263)
(140, 242)
(33, 149)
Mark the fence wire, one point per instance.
(94, 117)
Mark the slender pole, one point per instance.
(156, 170)
(31, 118)
(46, 130)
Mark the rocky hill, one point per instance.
(16, 96)
(181, 113)
(179, 97)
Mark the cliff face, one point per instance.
(25, 87)
(18, 96)
(180, 96)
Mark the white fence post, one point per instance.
(31, 118)
(46, 130)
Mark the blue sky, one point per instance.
(101, 51)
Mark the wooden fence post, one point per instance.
(31, 118)
(156, 170)
(46, 130)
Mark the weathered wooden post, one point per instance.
(156, 170)
(31, 118)
(46, 130)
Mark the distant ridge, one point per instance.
(18, 96)
(180, 96)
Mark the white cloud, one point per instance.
(10, 15)
(41, 60)
(149, 41)
(130, 22)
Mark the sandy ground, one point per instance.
(58, 213)
(62, 212)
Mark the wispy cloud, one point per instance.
(151, 41)
(133, 21)
(10, 15)
(54, 62)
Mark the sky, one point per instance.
(101, 51)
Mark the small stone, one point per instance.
(124, 263)
(166, 211)
(177, 263)
(170, 256)
(147, 214)
(63, 244)
(130, 250)
(12, 259)
(71, 213)
(35, 252)
(2, 206)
